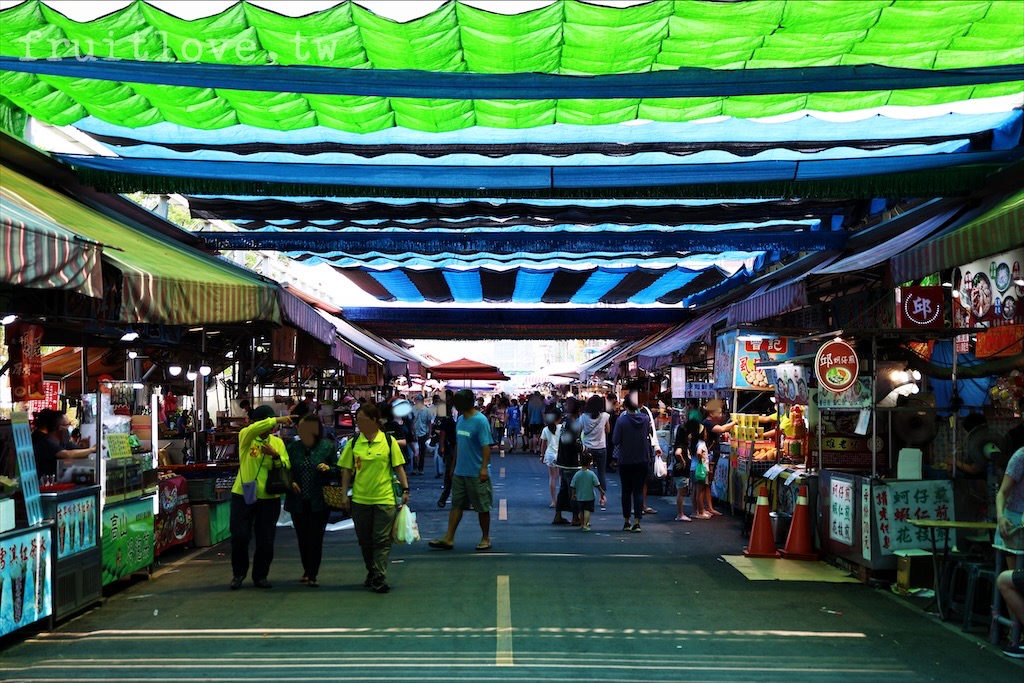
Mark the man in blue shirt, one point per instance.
(471, 483)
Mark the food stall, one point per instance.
(743, 360)
(77, 577)
(26, 547)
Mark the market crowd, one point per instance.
(582, 440)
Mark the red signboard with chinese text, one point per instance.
(836, 366)
(26, 362)
(999, 342)
(920, 307)
(50, 400)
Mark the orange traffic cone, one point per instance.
(799, 545)
(762, 540)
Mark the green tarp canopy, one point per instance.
(161, 281)
(565, 38)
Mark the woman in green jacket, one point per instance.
(313, 459)
(259, 451)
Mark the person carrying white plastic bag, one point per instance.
(407, 530)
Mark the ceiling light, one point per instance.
(1019, 283)
(174, 370)
(191, 375)
(138, 385)
(133, 354)
(8, 319)
(229, 354)
(205, 370)
(129, 336)
(956, 294)
(916, 374)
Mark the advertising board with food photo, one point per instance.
(987, 292)
(856, 397)
(750, 349)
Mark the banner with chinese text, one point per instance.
(841, 510)
(127, 539)
(897, 503)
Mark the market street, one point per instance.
(549, 603)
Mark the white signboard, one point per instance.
(865, 522)
(899, 502)
(841, 511)
(678, 382)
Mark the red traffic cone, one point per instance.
(762, 540)
(799, 545)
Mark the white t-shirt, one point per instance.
(593, 431)
(550, 444)
(702, 455)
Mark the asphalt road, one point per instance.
(547, 604)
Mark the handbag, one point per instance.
(701, 472)
(333, 495)
(279, 480)
(249, 490)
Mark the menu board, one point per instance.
(987, 293)
(127, 539)
(27, 475)
(25, 579)
(840, 526)
(50, 400)
(898, 502)
(857, 397)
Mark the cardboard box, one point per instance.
(914, 570)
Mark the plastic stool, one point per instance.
(977, 573)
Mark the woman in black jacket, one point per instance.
(313, 459)
(632, 437)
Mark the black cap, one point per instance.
(262, 413)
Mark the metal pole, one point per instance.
(85, 366)
(955, 420)
(874, 401)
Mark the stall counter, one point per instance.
(76, 562)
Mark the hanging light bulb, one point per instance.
(205, 370)
(191, 375)
(133, 354)
(916, 374)
(174, 370)
(8, 319)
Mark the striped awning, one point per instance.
(776, 301)
(678, 341)
(302, 316)
(162, 281)
(37, 253)
(999, 229)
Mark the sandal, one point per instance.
(483, 546)
(440, 545)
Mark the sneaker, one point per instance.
(627, 527)
(636, 528)
(1015, 651)
(381, 587)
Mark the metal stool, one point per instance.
(977, 573)
(958, 572)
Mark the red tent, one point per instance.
(467, 369)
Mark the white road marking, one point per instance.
(503, 657)
(503, 510)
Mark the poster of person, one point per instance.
(791, 384)
(986, 293)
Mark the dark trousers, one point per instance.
(309, 530)
(449, 474)
(247, 521)
(421, 454)
(564, 502)
(601, 463)
(633, 478)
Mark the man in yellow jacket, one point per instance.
(259, 450)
